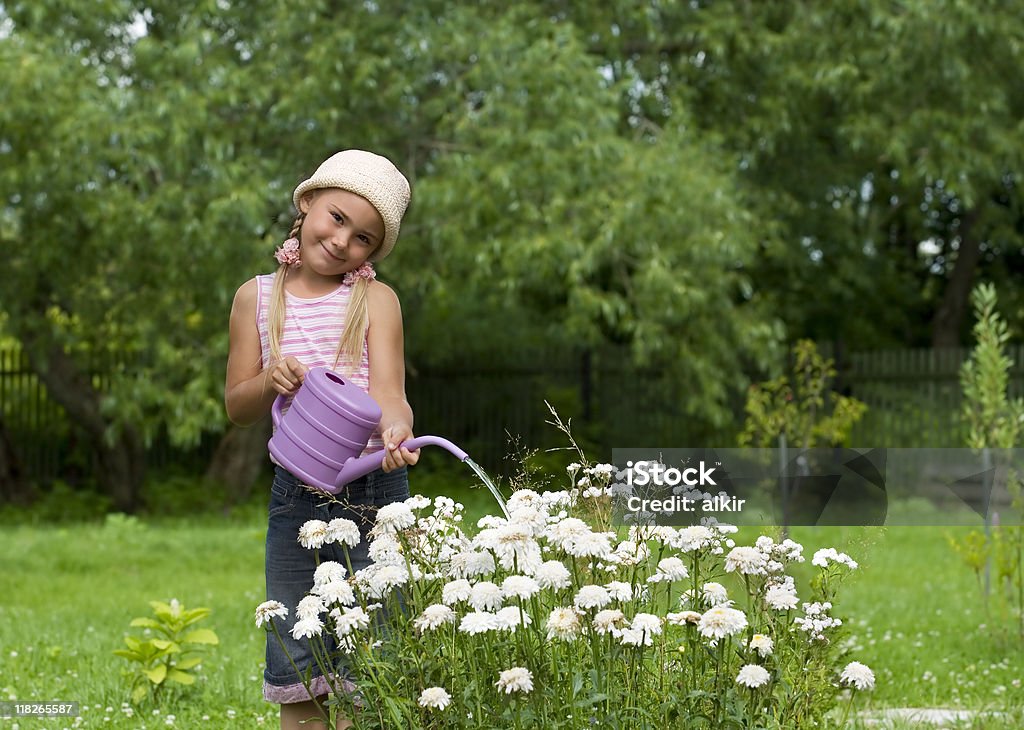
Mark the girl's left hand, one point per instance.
(397, 456)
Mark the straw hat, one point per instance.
(373, 177)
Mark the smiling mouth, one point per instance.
(328, 252)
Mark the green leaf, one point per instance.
(166, 646)
(147, 623)
(200, 636)
(188, 663)
(139, 693)
(176, 675)
(157, 674)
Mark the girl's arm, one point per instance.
(249, 390)
(384, 342)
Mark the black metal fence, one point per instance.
(913, 397)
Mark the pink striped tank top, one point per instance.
(311, 332)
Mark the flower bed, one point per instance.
(552, 618)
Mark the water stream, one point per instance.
(487, 483)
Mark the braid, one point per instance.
(277, 298)
(297, 225)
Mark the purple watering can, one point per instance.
(326, 428)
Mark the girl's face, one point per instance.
(340, 232)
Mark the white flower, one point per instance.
(343, 532)
(563, 623)
(646, 622)
(714, 594)
(762, 644)
(471, 563)
(435, 698)
(417, 501)
(479, 622)
(683, 618)
(512, 616)
(635, 637)
(456, 591)
(485, 596)
(337, 591)
(519, 586)
(511, 542)
(670, 570)
(531, 517)
(608, 621)
(592, 597)
(589, 545)
(307, 627)
(327, 572)
(620, 590)
(378, 580)
(746, 560)
(753, 675)
(823, 556)
(816, 620)
(859, 675)
(721, 621)
(385, 549)
(523, 498)
(309, 607)
(313, 534)
(629, 552)
(392, 518)
(781, 598)
(694, 537)
(567, 529)
(553, 575)
(516, 679)
(347, 621)
(790, 550)
(268, 610)
(434, 616)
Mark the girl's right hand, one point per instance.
(287, 375)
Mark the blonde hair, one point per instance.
(349, 354)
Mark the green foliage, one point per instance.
(995, 421)
(173, 655)
(693, 181)
(799, 406)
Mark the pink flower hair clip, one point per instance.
(363, 272)
(288, 253)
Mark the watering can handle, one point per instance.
(275, 410)
(358, 467)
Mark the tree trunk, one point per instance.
(955, 300)
(120, 463)
(239, 459)
(14, 488)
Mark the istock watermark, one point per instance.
(836, 486)
(642, 473)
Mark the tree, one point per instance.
(566, 187)
(126, 215)
(869, 128)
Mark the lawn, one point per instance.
(68, 592)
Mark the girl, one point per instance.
(323, 307)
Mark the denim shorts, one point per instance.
(290, 567)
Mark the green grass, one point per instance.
(67, 593)
(915, 614)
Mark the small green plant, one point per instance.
(799, 406)
(170, 656)
(995, 422)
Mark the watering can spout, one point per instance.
(356, 467)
